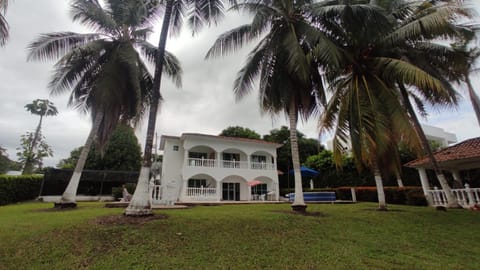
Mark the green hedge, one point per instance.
(393, 195)
(19, 188)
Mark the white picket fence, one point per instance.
(466, 197)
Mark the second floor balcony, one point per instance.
(230, 164)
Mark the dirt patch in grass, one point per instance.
(125, 220)
(307, 213)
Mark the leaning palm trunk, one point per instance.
(399, 179)
(451, 199)
(28, 168)
(474, 99)
(141, 204)
(382, 204)
(68, 196)
(298, 203)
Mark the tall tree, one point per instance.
(3, 22)
(35, 158)
(241, 132)
(289, 80)
(4, 161)
(389, 55)
(104, 70)
(307, 147)
(122, 153)
(43, 108)
(197, 13)
(472, 55)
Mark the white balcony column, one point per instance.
(471, 197)
(249, 161)
(275, 164)
(219, 190)
(185, 158)
(218, 161)
(249, 193)
(425, 185)
(183, 193)
(457, 178)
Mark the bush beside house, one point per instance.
(19, 188)
(394, 195)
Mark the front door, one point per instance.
(231, 191)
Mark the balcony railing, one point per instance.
(466, 197)
(201, 194)
(262, 166)
(230, 164)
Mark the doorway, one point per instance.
(231, 191)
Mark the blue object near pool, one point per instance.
(324, 196)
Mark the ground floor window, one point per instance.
(259, 189)
(197, 183)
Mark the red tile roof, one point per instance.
(467, 149)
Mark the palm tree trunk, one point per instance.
(382, 204)
(28, 168)
(140, 204)
(399, 179)
(474, 99)
(298, 203)
(68, 196)
(451, 199)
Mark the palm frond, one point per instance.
(245, 80)
(54, 45)
(205, 12)
(436, 23)
(3, 30)
(430, 87)
(91, 14)
(230, 41)
(171, 65)
(79, 63)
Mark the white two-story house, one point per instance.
(198, 167)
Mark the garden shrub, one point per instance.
(416, 198)
(19, 188)
(284, 191)
(393, 195)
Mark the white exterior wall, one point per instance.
(176, 168)
(171, 169)
(439, 135)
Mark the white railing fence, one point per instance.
(231, 164)
(201, 162)
(466, 197)
(262, 166)
(201, 194)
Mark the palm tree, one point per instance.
(198, 13)
(472, 55)
(41, 107)
(398, 58)
(3, 22)
(103, 70)
(289, 80)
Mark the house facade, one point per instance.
(199, 167)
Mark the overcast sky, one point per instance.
(205, 104)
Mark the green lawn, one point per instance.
(32, 236)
